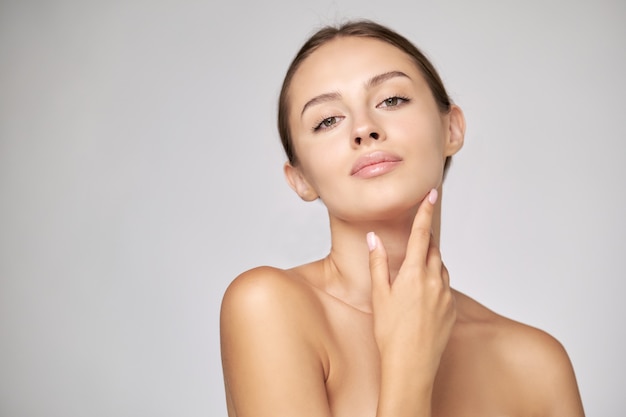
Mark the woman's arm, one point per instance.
(543, 366)
(271, 350)
(566, 401)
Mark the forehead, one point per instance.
(345, 62)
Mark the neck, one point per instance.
(347, 265)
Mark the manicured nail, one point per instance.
(432, 196)
(371, 241)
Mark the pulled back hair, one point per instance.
(361, 29)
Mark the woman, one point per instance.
(374, 328)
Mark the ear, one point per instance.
(456, 131)
(299, 183)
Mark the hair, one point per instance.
(361, 29)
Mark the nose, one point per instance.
(366, 129)
(373, 135)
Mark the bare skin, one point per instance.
(374, 329)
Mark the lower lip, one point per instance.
(376, 170)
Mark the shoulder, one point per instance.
(271, 308)
(506, 336)
(535, 364)
(256, 285)
(271, 338)
(542, 366)
(264, 293)
(265, 288)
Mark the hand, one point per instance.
(413, 317)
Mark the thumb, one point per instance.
(379, 267)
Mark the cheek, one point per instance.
(425, 142)
(422, 134)
(321, 166)
(323, 158)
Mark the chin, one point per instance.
(388, 200)
(379, 210)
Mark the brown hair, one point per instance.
(363, 29)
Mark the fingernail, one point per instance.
(432, 196)
(371, 241)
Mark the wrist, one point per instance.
(401, 396)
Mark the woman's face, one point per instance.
(369, 137)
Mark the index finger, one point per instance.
(421, 231)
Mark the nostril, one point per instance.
(374, 135)
(357, 140)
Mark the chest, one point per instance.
(468, 382)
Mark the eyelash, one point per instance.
(319, 124)
(399, 97)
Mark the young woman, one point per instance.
(374, 329)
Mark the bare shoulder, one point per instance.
(273, 296)
(509, 337)
(272, 345)
(260, 287)
(532, 362)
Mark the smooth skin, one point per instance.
(374, 328)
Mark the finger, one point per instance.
(445, 276)
(379, 266)
(433, 256)
(421, 240)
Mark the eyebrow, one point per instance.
(372, 82)
(381, 78)
(322, 98)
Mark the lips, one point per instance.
(374, 164)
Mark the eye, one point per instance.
(394, 101)
(326, 123)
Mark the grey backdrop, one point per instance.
(140, 172)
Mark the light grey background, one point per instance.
(140, 172)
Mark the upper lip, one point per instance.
(372, 159)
